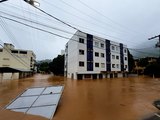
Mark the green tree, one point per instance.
(153, 69)
(143, 62)
(131, 63)
(44, 66)
(57, 65)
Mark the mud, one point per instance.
(106, 99)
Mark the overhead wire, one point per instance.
(108, 18)
(95, 19)
(62, 22)
(55, 33)
(116, 38)
(9, 33)
(69, 25)
(86, 20)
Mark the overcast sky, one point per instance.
(130, 22)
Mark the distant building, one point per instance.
(91, 57)
(16, 61)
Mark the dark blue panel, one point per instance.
(89, 66)
(89, 52)
(121, 57)
(108, 58)
(89, 55)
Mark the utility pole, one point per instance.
(157, 44)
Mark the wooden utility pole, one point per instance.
(158, 43)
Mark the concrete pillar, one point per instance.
(12, 76)
(1, 77)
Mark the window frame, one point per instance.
(96, 54)
(81, 40)
(81, 52)
(81, 63)
(97, 65)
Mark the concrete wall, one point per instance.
(9, 76)
(73, 57)
(16, 60)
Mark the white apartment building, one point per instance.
(14, 61)
(91, 57)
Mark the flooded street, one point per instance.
(106, 99)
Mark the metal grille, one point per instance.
(40, 101)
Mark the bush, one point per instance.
(153, 69)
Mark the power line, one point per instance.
(56, 18)
(8, 32)
(46, 25)
(120, 25)
(116, 38)
(55, 33)
(110, 27)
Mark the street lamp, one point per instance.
(33, 2)
(3, 0)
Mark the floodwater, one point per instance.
(106, 99)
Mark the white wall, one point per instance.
(73, 57)
(10, 76)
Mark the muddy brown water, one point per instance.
(106, 99)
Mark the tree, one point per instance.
(131, 63)
(143, 62)
(57, 65)
(153, 69)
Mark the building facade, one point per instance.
(91, 57)
(15, 60)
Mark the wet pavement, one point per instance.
(106, 99)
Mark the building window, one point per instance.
(102, 65)
(125, 58)
(113, 65)
(23, 52)
(1, 50)
(81, 40)
(117, 48)
(117, 57)
(96, 44)
(81, 64)
(113, 47)
(117, 65)
(96, 54)
(5, 58)
(81, 52)
(14, 51)
(125, 50)
(126, 66)
(113, 56)
(96, 64)
(5, 65)
(102, 45)
(102, 55)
